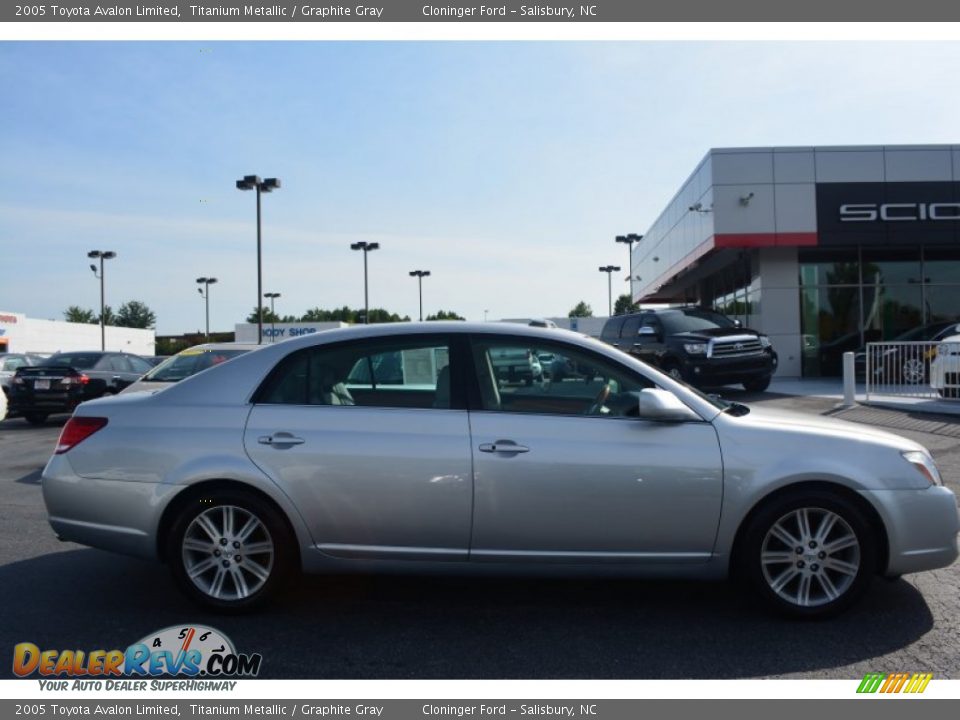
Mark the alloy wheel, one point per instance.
(810, 557)
(228, 553)
(913, 371)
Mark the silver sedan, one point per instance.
(405, 446)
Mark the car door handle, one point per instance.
(280, 439)
(503, 446)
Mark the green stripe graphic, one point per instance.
(871, 682)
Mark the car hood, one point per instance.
(807, 424)
(712, 333)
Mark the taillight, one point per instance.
(77, 430)
(18, 380)
(74, 380)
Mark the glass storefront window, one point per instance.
(890, 266)
(890, 310)
(829, 267)
(943, 303)
(941, 265)
(830, 326)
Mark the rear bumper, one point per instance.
(21, 402)
(116, 515)
(922, 527)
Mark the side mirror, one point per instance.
(737, 323)
(657, 404)
(647, 334)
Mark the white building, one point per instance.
(21, 334)
(821, 248)
(277, 332)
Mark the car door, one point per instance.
(370, 439)
(568, 471)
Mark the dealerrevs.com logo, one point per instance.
(192, 651)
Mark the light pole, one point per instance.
(253, 182)
(205, 294)
(609, 270)
(630, 240)
(103, 255)
(366, 247)
(273, 315)
(420, 275)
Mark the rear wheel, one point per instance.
(809, 554)
(35, 418)
(229, 550)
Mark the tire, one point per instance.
(757, 384)
(230, 573)
(35, 418)
(832, 571)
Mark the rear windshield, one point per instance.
(679, 321)
(188, 363)
(80, 361)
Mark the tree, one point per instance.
(268, 316)
(581, 309)
(348, 315)
(135, 314)
(625, 305)
(77, 314)
(445, 315)
(109, 318)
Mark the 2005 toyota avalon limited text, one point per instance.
(405, 444)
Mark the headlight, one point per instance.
(695, 348)
(924, 465)
(764, 341)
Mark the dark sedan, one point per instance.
(63, 381)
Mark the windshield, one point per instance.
(679, 321)
(80, 361)
(188, 363)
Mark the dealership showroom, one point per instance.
(822, 248)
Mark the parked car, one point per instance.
(695, 345)
(188, 362)
(945, 368)
(905, 365)
(63, 381)
(9, 362)
(272, 462)
(517, 366)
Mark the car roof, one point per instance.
(221, 346)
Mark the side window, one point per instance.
(118, 363)
(414, 373)
(611, 331)
(139, 365)
(630, 327)
(524, 377)
(13, 363)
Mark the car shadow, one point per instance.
(453, 627)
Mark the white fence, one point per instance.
(925, 370)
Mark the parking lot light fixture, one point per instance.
(609, 270)
(630, 239)
(273, 316)
(420, 275)
(253, 182)
(366, 247)
(205, 294)
(102, 255)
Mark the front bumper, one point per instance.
(728, 371)
(117, 515)
(922, 527)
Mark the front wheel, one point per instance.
(229, 550)
(809, 554)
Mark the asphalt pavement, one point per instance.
(61, 595)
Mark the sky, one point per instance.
(504, 168)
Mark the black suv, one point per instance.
(698, 346)
(60, 383)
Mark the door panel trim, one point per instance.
(393, 552)
(577, 556)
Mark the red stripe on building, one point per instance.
(752, 240)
